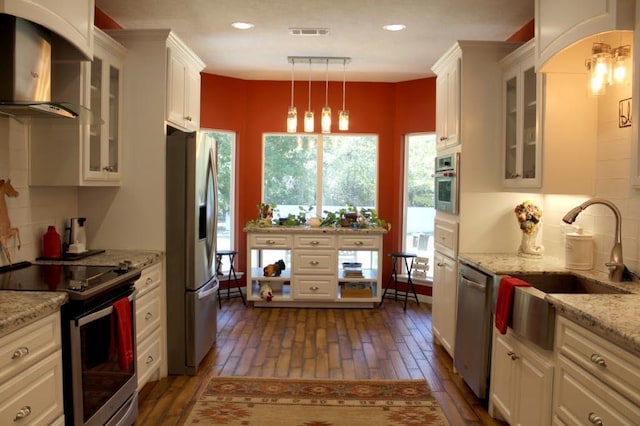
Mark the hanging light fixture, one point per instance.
(607, 66)
(343, 118)
(325, 118)
(292, 115)
(308, 115)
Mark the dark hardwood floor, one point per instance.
(380, 343)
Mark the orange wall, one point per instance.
(251, 108)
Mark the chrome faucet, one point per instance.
(615, 264)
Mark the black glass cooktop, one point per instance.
(79, 281)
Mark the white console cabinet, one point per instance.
(315, 272)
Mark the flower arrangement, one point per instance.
(528, 215)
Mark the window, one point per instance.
(225, 152)
(329, 171)
(419, 207)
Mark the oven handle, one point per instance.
(102, 313)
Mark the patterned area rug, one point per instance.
(316, 402)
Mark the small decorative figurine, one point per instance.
(6, 231)
(529, 217)
(274, 269)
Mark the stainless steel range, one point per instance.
(98, 337)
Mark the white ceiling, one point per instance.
(355, 31)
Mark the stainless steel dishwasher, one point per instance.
(473, 333)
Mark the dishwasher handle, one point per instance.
(473, 284)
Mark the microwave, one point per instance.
(446, 182)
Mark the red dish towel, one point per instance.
(122, 313)
(505, 300)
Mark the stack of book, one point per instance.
(352, 269)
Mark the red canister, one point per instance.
(52, 243)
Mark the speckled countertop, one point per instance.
(313, 230)
(615, 317)
(19, 308)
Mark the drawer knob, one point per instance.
(20, 352)
(314, 263)
(271, 242)
(314, 288)
(22, 413)
(440, 265)
(513, 355)
(597, 359)
(148, 281)
(595, 419)
(314, 243)
(358, 243)
(149, 360)
(148, 316)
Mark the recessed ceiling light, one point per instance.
(242, 25)
(394, 27)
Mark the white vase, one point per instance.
(528, 245)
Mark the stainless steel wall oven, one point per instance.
(446, 182)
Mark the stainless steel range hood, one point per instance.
(25, 74)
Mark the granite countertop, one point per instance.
(313, 230)
(18, 308)
(615, 317)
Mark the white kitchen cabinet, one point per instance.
(521, 140)
(560, 24)
(183, 86)
(596, 382)
(314, 274)
(83, 153)
(444, 298)
(521, 381)
(31, 374)
(149, 324)
(71, 19)
(447, 70)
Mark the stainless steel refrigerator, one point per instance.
(192, 284)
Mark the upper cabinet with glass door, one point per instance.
(103, 153)
(83, 153)
(522, 142)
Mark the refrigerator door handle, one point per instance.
(207, 293)
(212, 207)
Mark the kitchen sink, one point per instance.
(566, 283)
(534, 318)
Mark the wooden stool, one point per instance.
(232, 271)
(394, 276)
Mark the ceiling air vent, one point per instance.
(309, 31)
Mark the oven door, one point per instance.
(446, 191)
(103, 372)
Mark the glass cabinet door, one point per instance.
(113, 125)
(529, 136)
(95, 142)
(511, 128)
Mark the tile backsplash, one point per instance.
(35, 208)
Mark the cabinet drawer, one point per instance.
(314, 287)
(580, 398)
(614, 366)
(270, 241)
(314, 241)
(28, 345)
(358, 242)
(149, 357)
(314, 262)
(148, 314)
(38, 389)
(150, 278)
(445, 236)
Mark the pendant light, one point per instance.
(343, 119)
(325, 119)
(292, 115)
(308, 115)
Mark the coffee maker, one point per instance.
(77, 238)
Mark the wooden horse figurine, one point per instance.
(6, 231)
